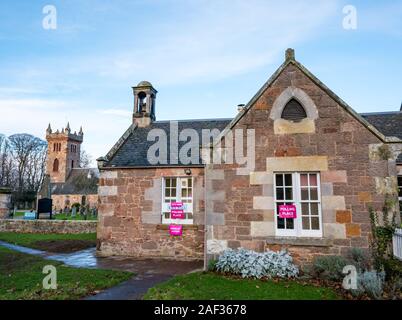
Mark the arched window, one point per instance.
(293, 111)
(56, 165)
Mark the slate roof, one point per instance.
(133, 150)
(78, 182)
(388, 123)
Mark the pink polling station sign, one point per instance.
(175, 230)
(176, 206)
(177, 214)
(287, 211)
(177, 210)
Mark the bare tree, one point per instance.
(85, 159)
(29, 154)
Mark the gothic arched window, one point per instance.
(293, 111)
(56, 165)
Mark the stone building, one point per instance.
(65, 182)
(5, 202)
(306, 150)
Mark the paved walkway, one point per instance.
(148, 272)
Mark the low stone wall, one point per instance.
(47, 226)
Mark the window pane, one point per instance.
(303, 180)
(289, 193)
(184, 193)
(315, 224)
(190, 182)
(279, 194)
(313, 180)
(314, 209)
(174, 183)
(304, 194)
(313, 194)
(173, 193)
(279, 180)
(305, 210)
(281, 223)
(288, 180)
(167, 183)
(289, 223)
(306, 223)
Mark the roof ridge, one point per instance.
(380, 113)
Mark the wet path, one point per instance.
(148, 272)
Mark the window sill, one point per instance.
(300, 241)
(185, 227)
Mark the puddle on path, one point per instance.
(79, 259)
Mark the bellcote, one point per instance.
(144, 104)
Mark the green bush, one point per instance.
(212, 265)
(329, 267)
(360, 259)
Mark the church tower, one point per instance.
(63, 152)
(144, 104)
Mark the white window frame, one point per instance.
(188, 205)
(298, 231)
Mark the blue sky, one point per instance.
(203, 56)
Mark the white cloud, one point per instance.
(219, 39)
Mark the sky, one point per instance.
(203, 56)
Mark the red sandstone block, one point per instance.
(352, 230)
(343, 216)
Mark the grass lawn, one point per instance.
(207, 286)
(21, 278)
(61, 243)
(63, 216)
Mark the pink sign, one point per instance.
(287, 211)
(175, 230)
(176, 206)
(177, 214)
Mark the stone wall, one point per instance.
(130, 215)
(241, 210)
(47, 226)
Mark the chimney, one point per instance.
(290, 54)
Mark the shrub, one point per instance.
(250, 264)
(371, 282)
(360, 259)
(212, 265)
(329, 267)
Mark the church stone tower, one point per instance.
(144, 104)
(63, 152)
